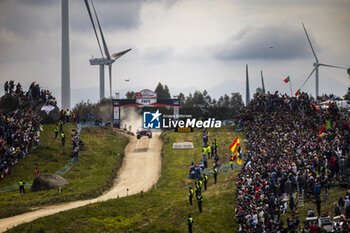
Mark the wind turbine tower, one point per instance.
(247, 99)
(65, 70)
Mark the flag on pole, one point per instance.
(326, 126)
(286, 80)
(312, 105)
(234, 157)
(297, 93)
(239, 158)
(234, 145)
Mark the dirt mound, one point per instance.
(48, 181)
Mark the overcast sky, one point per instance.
(186, 44)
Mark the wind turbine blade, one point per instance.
(102, 37)
(262, 81)
(333, 66)
(93, 25)
(115, 56)
(110, 79)
(312, 48)
(308, 78)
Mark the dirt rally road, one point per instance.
(140, 171)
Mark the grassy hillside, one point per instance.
(165, 207)
(89, 177)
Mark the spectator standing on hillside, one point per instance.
(190, 223)
(205, 181)
(63, 137)
(317, 190)
(209, 150)
(215, 146)
(205, 138)
(6, 87)
(21, 184)
(196, 188)
(56, 131)
(36, 171)
(205, 159)
(318, 204)
(62, 113)
(60, 123)
(190, 194)
(215, 174)
(212, 150)
(336, 209)
(291, 203)
(314, 229)
(200, 200)
(67, 115)
(231, 162)
(74, 117)
(200, 185)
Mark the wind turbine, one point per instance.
(247, 93)
(108, 61)
(317, 65)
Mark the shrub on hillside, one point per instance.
(8, 103)
(84, 108)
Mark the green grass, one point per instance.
(164, 208)
(89, 177)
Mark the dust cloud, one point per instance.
(131, 116)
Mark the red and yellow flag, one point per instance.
(235, 145)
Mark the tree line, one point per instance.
(201, 104)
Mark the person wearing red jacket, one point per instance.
(314, 229)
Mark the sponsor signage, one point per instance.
(153, 120)
(146, 97)
(184, 129)
(182, 145)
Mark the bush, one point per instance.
(8, 103)
(101, 110)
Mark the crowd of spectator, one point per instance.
(288, 153)
(20, 128)
(19, 131)
(33, 92)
